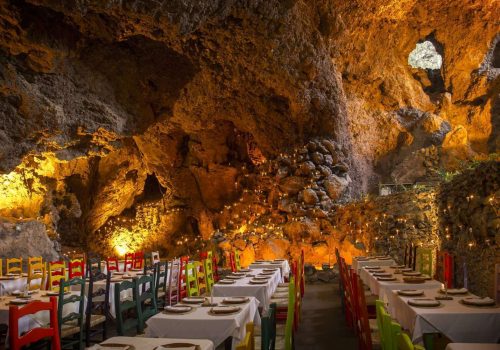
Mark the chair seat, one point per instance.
(69, 329)
(279, 302)
(97, 319)
(280, 329)
(258, 341)
(280, 295)
(370, 298)
(373, 325)
(283, 285)
(280, 342)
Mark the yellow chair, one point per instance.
(1, 267)
(248, 343)
(201, 274)
(14, 265)
(237, 259)
(36, 273)
(57, 272)
(209, 274)
(191, 280)
(404, 343)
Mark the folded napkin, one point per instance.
(177, 347)
(455, 290)
(224, 309)
(479, 301)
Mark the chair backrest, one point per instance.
(200, 273)
(232, 262)
(390, 331)
(404, 343)
(146, 301)
(237, 260)
(18, 341)
(268, 328)
(129, 261)
(155, 257)
(362, 322)
(182, 280)
(209, 274)
(125, 322)
(347, 289)
(112, 264)
(138, 260)
(173, 282)
(413, 258)
(215, 267)
(76, 268)
(445, 268)
(161, 273)
(93, 261)
(290, 317)
(36, 273)
(14, 265)
(248, 342)
(97, 306)
(425, 261)
(302, 279)
(57, 272)
(191, 279)
(70, 318)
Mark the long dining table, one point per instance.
(200, 323)
(283, 265)
(143, 343)
(359, 262)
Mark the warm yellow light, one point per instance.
(121, 249)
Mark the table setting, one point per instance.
(282, 264)
(380, 260)
(143, 343)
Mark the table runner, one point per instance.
(198, 324)
(460, 323)
(142, 343)
(242, 288)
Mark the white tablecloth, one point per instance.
(460, 323)
(198, 324)
(283, 265)
(357, 265)
(36, 320)
(241, 288)
(383, 288)
(141, 343)
(472, 346)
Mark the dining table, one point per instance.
(243, 286)
(201, 323)
(360, 262)
(472, 346)
(383, 288)
(268, 264)
(459, 322)
(144, 343)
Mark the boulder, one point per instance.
(306, 168)
(336, 185)
(310, 196)
(292, 185)
(318, 158)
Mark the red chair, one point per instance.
(181, 287)
(232, 262)
(76, 268)
(347, 293)
(112, 265)
(302, 280)
(129, 262)
(362, 323)
(445, 268)
(215, 269)
(138, 260)
(35, 334)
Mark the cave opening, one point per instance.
(153, 190)
(495, 63)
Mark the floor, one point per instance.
(322, 326)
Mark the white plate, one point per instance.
(478, 301)
(177, 309)
(412, 273)
(226, 282)
(224, 309)
(453, 291)
(195, 300)
(411, 292)
(424, 302)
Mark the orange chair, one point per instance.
(35, 334)
(129, 262)
(182, 288)
(138, 260)
(232, 262)
(57, 272)
(112, 264)
(14, 266)
(76, 268)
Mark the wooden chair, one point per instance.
(51, 332)
(209, 274)
(173, 282)
(71, 325)
(94, 263)
(76, 269)
(209, 255)
(201, 275)
(1, 267)
(302, 279)
(413, 258)
(191, 280)
(97, 311)
(445, 268)
(161, 273)
(125, 320)
(36, 273)
(248, 342)
(284, 336)
(404, 343)
(57, 272)
(14, 266)
(145, 301)
(138, 260)
(129, 261)
(182, 280)
(232, 262)
(347, 297)
(237, 260)
(362, 323)
(425, 261)
(380, 311)
(112, 264)
(267, 335)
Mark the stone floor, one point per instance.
(322, 326)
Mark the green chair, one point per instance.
(145, 301)
(123, 308)
(380, 310)
(71, 324)
(404, 343)
(160, 273)
(209, 274)
(192, 280)
(424, 257)
(267, 337)
(237, 259)
(284, 337)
